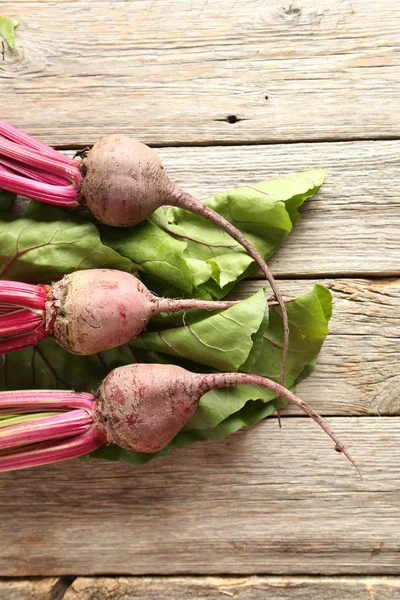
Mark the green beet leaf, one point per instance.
(176, 253)
(7, 27)
(46, 243)
(49, 366)
(223, 341)
(305, 341)
(157, 256)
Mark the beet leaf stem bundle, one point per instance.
(140, 407)
(120, 181)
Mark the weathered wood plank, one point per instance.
(263, 501)
(351, 227)
(32, 589)
(248, 588)
(358, 368)
(203, 72)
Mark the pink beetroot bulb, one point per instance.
(86, 312)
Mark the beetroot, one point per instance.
(120, 181)
(140, 407)
(86, 312)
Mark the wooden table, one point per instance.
(233, 92)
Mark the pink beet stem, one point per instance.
(23, 295)
(22, 315)
(49, 194)
(25, 340)
(70, 172)
(13, 419)
(18, 322)
(9, 308)
(44, 400)
(216, 380)
(13, 134)
(32, 173)
(61, 426)
(50, 452)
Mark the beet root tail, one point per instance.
(217, 380)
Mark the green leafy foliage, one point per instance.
(156, 255)
(7, 27)
(176, 253)
(46, 243)
(175, 242)
(306, 338)
(223, 341)
(49, 366)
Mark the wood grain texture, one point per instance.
(246, 588)
(203, 72)
(52, 588)
(263, 501)
(358, 367)
(352, 225)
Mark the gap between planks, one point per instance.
(216, 143)
(202, 588)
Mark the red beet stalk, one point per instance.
(22, 315)
(32, 169)
(39, 440)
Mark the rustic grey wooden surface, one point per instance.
(261, 501)
(247, 588)
(227, 75)
(179, 72)
(202, 588)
